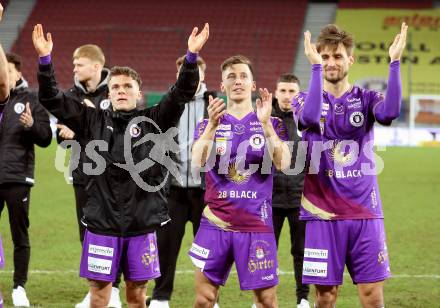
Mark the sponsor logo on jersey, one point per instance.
(99, 265)
(268, 278)
(255, 123)
(340, 153)
(339, 109)
(261, 257)
(220, 145)
(19, 108)
(224, 127)
(239, 129)
(315, 269)
(199, 251)
(101, 250)
(354, 103)
(236, 174)
(258, 129)
(223, 133)
(325, 106)
(135, 130)
(315, 253)
(357, 119)
(257, 141)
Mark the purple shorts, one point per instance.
(214, 251)
(2, 254)
(102, 255)
(359, 244)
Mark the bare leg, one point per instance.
(266, 297)
(100, 292)
(206, 291)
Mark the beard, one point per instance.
(336, 79)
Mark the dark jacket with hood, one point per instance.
(99, 98)
(17, 156)
(287, 189)
(117, 202)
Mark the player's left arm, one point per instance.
(278, 149)
(388, 109)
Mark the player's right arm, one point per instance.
(4, 75)
(203, 146)
(50, 96)
(309, 112)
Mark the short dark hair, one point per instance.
(14, 59)
(126, 71)
(200, 62)
(288, 77)
(238, 59)
(331, 35)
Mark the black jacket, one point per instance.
(116, 205)
(17, 156)
(287, 189)
(99, 98)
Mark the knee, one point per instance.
(135, 293)
(205, 299)
(326, 295)
(267, 300)
(372, 296)
(98, 300)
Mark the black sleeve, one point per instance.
(40, 131)
(170, 108)
(72, 114)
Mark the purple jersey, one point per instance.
(340, 181)
(239, 182)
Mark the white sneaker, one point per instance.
(115, 300)
(254, 306)
(159, 304)
(85, 302)
(303, 304)
(216, 305)
(19, 298)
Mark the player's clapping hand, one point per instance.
(216, 109)
(65, 132)
(26, 118)
(310, 49)
(196, 41)
(43, 45)
(396, 49)
(264, 106)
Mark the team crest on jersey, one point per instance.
(257, 141)
(357, 119)
(135, 130)
(19, 108)
(339, 109)
(236, 174)
(239, 129)
(104, 104)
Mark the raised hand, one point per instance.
(264, 106)
(310, 50)
(216, 109)
(42, 45)
(196, 41)
(65, 132)
(26, 118)
(396, 49)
